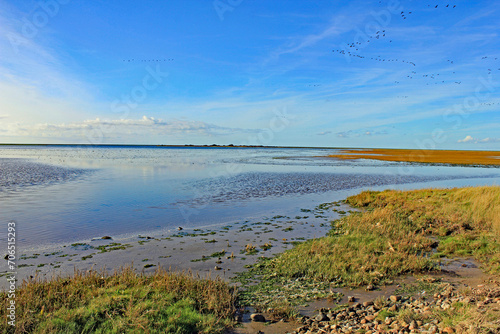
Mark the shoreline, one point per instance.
(236, 247)
(180, 250)
(61, 258)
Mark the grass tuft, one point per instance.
(123, 302)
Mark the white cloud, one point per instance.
(470, 139)
(99, 129)
(324, 133)
(467, 139)
(490, 140)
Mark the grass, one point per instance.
(395, 233)
(424, 156)
(123, 302)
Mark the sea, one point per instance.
(60, 194)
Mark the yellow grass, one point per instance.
(423, 156)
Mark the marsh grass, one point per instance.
(396, 233)
(424, 156)
(123, 302)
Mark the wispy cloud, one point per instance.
(472, 140)
(147, 126)
(359, 133)
(324, 133)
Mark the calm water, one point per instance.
(61, 194)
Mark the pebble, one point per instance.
(257, 317)
(364, 317)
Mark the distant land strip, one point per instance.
(423, 156)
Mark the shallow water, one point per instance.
(61, 194)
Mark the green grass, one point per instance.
(395, 233)
(111, 247)
(124, 302)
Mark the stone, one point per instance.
(393, 308)
(395, 298)
(368, 303)
(448, 330)
(370, 318)
(257, 317)
(321, 317)
(370, 287)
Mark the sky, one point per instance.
(324, 73)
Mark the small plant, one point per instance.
(250, 250)
(266, 246)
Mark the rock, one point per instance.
(393, 308)
(257, 317)
(448, 330)
(370, 287)
(370, 318)
(321, 317)
(395, 298)
(179, 228)
(351, 299)
(106, 237)
(217, 268)
(368, 303)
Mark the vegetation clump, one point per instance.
(123, 302)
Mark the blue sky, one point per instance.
(402, 74)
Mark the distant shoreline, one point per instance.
(353, 150)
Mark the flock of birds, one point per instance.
(355, 50)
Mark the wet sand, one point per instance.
(219, 250)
